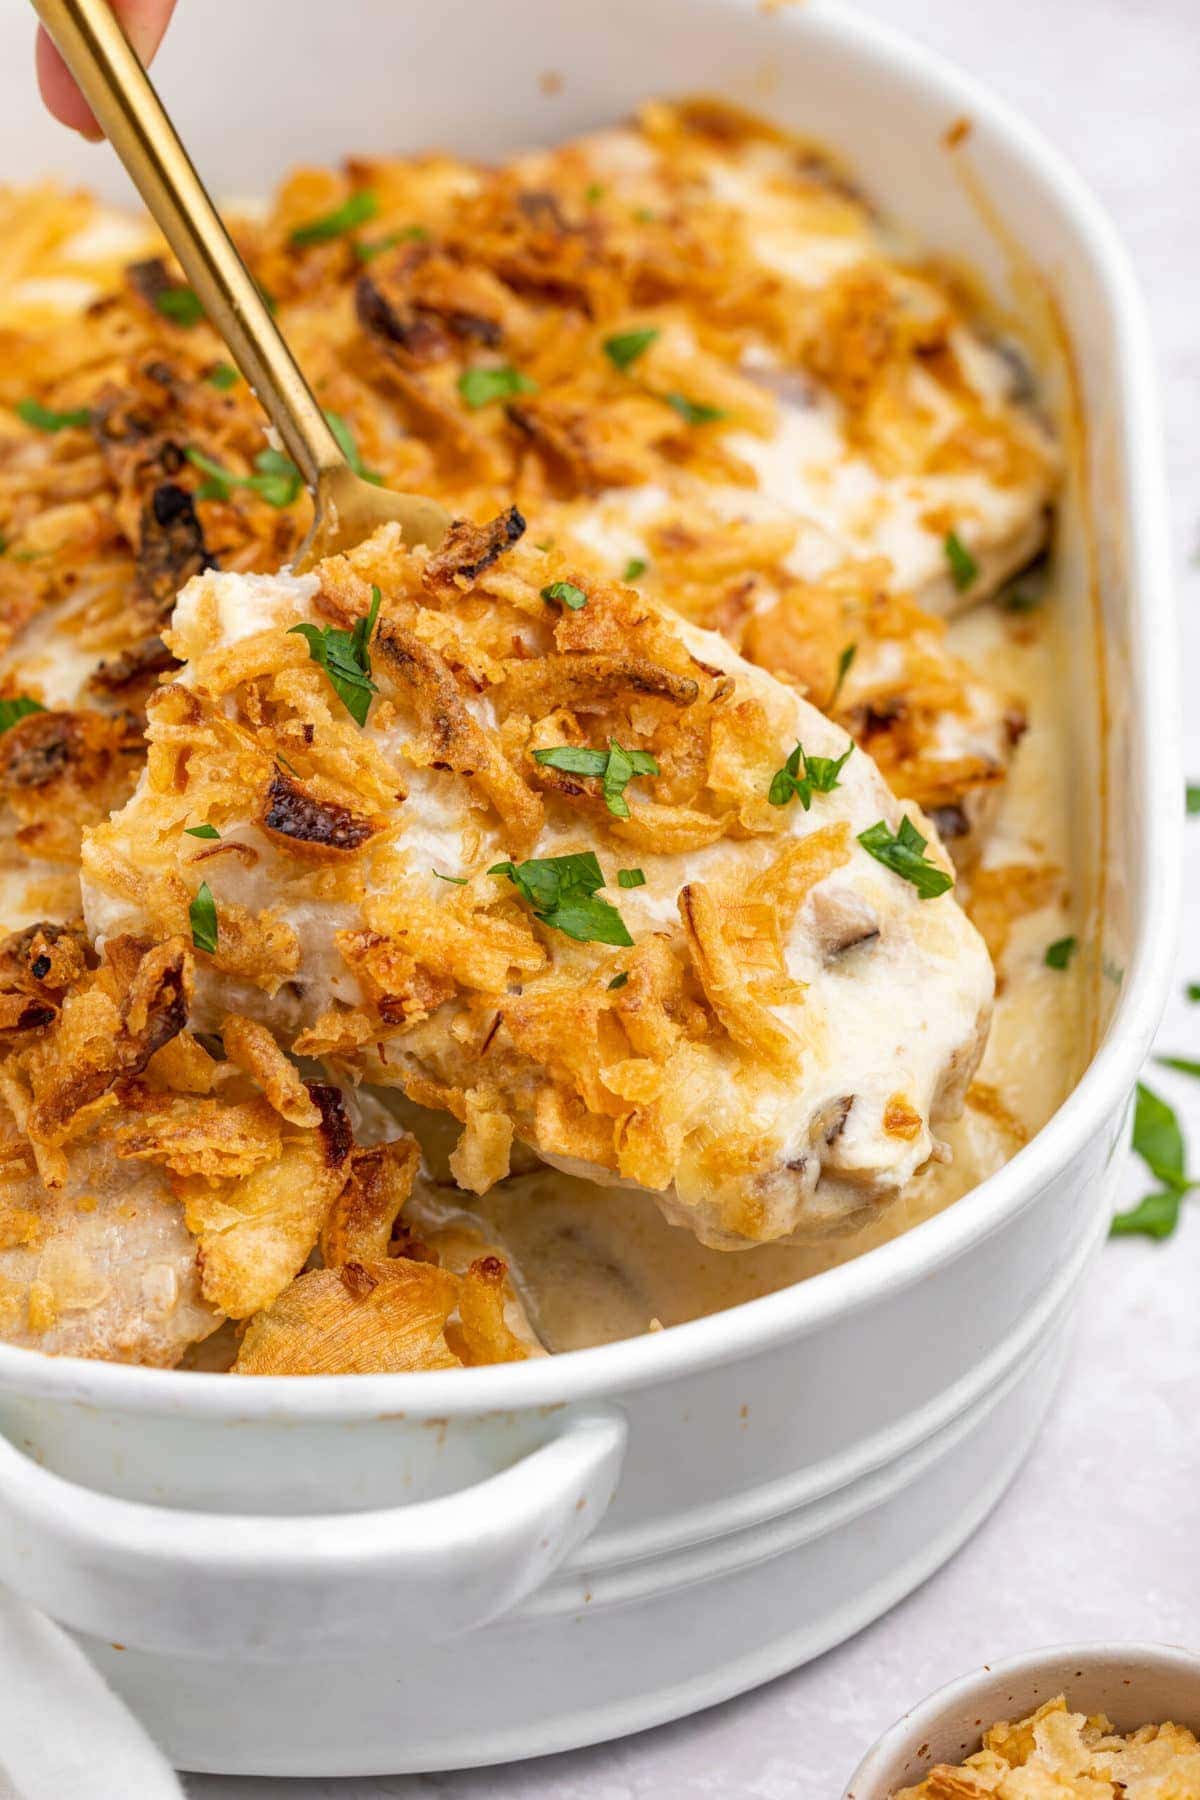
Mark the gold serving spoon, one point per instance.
(120, 94)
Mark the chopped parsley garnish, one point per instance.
(618, 981)
(904, 854)
(963, 567)
(482, 386)
(44, 418)
(201, 831)
(631, 878)
(1156, 1216)
(222, 375)
(635, 568)
(349, 449)
(1020, 600)
(355, 211)
(593, 191)
(624, 349)
(346, 659)
(410, 234)
(276, 478)
(1158, 1140)
(1186, 1065)
(562, 891)
(566, 593)
(202, 916)
(615, 767)
(845, 664)
(1192, 798)
(457, 880)
(12, 711)
(694, 412)
(1060, 952)
(802, 776)
(179, 304)
(1193, 991)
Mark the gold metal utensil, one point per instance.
(121, 96)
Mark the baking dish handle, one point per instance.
(282, 1588)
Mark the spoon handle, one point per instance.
(120, 94)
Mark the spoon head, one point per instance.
(349, 509)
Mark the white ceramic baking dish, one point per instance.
(1131, 1684)
(355, 1575)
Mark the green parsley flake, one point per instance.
(618, 981)
(562, 892)
(349, 449)
(44, 418)
(202, 916)
(456, 880)
(482, 386)
(1156, 1216)
(694, 412)
(801, 776)
(845, 664)
(615, 767)
(635, 568)
(1158, 1140)
(1186, 1065)
(963, 567)
(1193, 991)
(355, 211)
(904, 855)
(276, 478)
(1060, 952)
(346, 659)
(566, 593)
(410, 234)
(222, 375)
(201, 831)
(624, 349)
(631, 878)
(20, 707)
(593, 192)
(1192, 799)
(179, 304)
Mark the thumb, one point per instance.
(144, 22)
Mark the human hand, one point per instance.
(144, 22)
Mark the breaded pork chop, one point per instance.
(102, 1267)
(534, 849)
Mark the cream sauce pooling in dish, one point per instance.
(597, 1264)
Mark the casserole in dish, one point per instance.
(773, 1524)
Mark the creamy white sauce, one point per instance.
(599, 1263)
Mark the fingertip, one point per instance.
(59, 92)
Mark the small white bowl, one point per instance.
(1133, 1684)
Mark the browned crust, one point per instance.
(470, 549)
(306, 826)
(336, 1133)
(171, 547)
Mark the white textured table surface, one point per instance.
(1098, 1536)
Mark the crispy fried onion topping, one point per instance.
(254, 1237)
(382, 1317)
